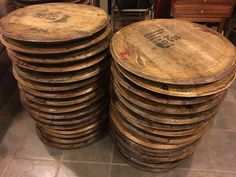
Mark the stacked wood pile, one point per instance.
(169, 79)
(61, 62)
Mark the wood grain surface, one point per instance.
(173, 52)
(37, 48)
(62, 58)
(54, 22)
(181, 90)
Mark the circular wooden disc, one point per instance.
(173, 51)
(23, 3)
(84, 142)
(152, 151)
(150, 137)
(64, 102)
(146, 157)
(63, 78)
(152, 167)
(164, 108)
(47, 87)
(72, 127)
(71, 122)
(76, 133)
(146, 143)
(159, 98)
(59, 68)
(96, 116)
(63, 58)
(181, 91)
(71, 115)
(121, 110)
(170, 119)
(65, 94)
(54, 22)
(60, 109)
(154, 127)
(29, 48)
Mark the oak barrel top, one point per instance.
(173, 51)
(53, 22)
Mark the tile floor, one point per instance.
(22, 154)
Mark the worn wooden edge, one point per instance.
(60, 109)
(178, 91)
(69, 116)
(157, 128)
(63, 58)
(152, 151)
(154, 167)
(164, 108)
(152, 77)
(148, 144)
(159, 98)
(63, 78)
(59, 68)
(74, 132)
(94, 115)
(64, 102)
(58, 41)
(48, 87)
(154, 138)
(71, 146)
(55, 49)
(169, 119)
(71, 127)
(147, 157)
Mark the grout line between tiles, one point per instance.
(86, 162)
(111, 158)
(120, 164)
(12, 156)
(7, 165)
(59, 162)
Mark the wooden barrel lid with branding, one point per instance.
(173, 51)
(54, 22)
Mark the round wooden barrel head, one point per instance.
(54, 22)
(56, 48)
(68, 77)
(173, 51)
(165, 108)
(59, 68)
(180, 90)
(63, 58)
(159, 98)
(87, 140)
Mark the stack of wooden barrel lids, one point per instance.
(24, 3)
(169, 79)
(60, 56)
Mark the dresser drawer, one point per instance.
(203, 1)
(201, 10)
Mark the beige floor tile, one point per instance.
(222, 145)
(225, 118)
(99, 151)
(83, 170)
(31, 168)
(129, 171)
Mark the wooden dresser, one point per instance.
(202, 10)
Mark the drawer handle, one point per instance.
(202, 11)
